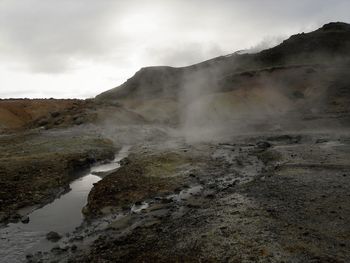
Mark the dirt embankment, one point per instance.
(35, 167)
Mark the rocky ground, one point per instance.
(253, 198)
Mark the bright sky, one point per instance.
(80, 48)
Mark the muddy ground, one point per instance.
(36, 166)
(254, 198)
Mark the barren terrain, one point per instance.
(242, 158)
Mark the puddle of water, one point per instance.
(62, 215)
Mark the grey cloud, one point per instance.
(47, 35)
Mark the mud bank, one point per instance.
(36, 167)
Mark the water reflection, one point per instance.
(63, 215)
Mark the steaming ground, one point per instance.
(263, 197)
(194, 195)
(243, 158)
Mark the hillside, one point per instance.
(306, 73)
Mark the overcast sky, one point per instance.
(79, 48)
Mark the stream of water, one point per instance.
(63, 215)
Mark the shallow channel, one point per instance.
(63, 215)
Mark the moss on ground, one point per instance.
(140, 178)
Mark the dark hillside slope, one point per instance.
(332, 41)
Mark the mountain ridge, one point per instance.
(331, 40)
